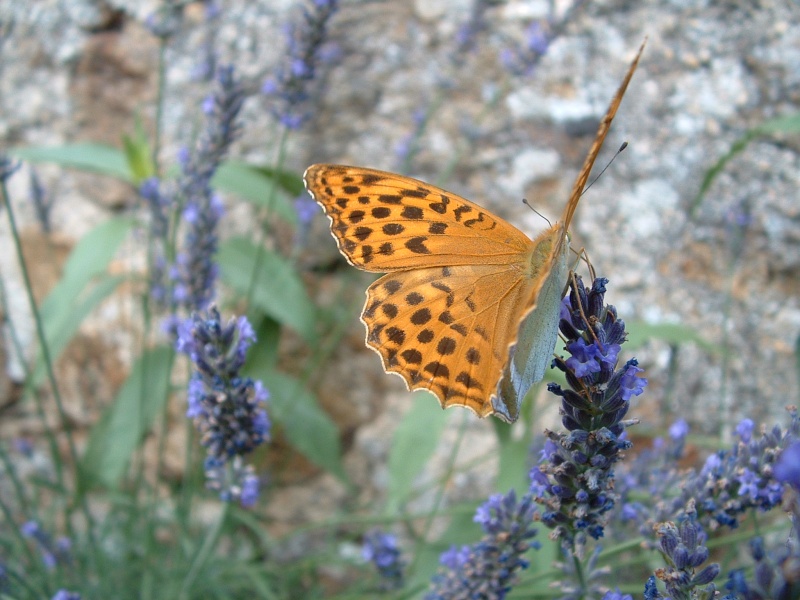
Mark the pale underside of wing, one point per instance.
(448, 329)
(384, 222)
(531, 352)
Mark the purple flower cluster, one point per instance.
(227, 408)
(523, 59)
(196, 271)
(53, 552)
(488, 568)
(382, 550)
(730, 483)
(467, 34)
(205, 69)
(292, 86)
(776, 574)
(574, 481)
(683, 547)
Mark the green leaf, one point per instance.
(307, 427)
(255, 185)
(264, 355)
(87, 156)
(125, 422)
(279, 292)
(673, 333)
(89, 258)
(62, 325)
(413, 444)
(289, 181)
(514, 466)
(84, 284)
(137, 153)
(787, 124)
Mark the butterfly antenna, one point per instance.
(600, 174)
(528, 204)
(602, 131)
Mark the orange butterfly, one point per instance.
(469, 308)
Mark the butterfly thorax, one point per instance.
(540, 255)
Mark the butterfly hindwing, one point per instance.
(445, 328)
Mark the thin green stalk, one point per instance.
(73, 453)
(580, 575)
(190, 482)
(32, 390)
(413, 145)
(151, 502)
(11, 473)
(451, 461)
(160, 87)
(273, 190)
(203, 554)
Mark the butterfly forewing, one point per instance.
(385, 222)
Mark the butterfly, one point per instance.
(469, 307)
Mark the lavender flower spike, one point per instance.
(488, 569)
(292, 85)
(575, 481)
(227, 408)
(195, 272)
(683, 547)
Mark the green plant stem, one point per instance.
(73, 453)
(203, 554)
(273, 190)
(11, 473)
(580, 575)
(160, 87)
(451, 461)
(32, 389)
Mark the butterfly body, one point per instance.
(468, 308)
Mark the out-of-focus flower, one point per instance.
(745, 430)
(228, 409)
(293, 85)
(196, 269)
(382, 550)
(488, 568)
(206, 66)
(53, 552)
(787, 467)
